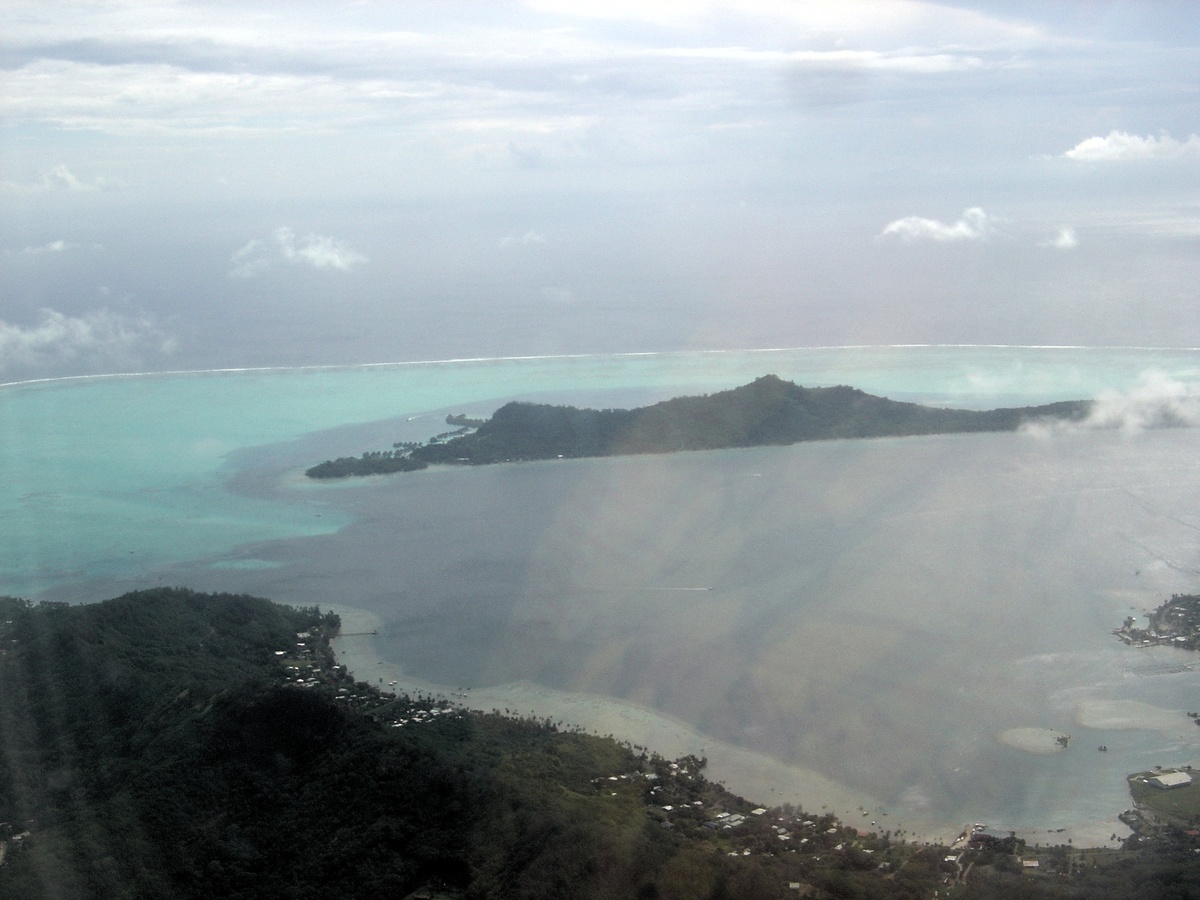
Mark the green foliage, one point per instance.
(157, 745)
(383, 462)
(766, 411)
(463, 421)
(1179, 805)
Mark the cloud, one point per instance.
(1064, 240)
(918, 63)
(315, 250)
(50, 247)
(178, 69)
(59, 178)
(1120, 146)
(1156, 401)
(853, 17)
(252, 258)
(93, 340)
(530, 237)
(975, 225)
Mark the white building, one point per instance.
(1171, 780)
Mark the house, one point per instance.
(1168, 780)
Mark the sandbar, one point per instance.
(1129, 714)
(1034, 740)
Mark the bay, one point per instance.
(882, 613)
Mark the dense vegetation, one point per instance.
(378, 462)
(766, 411)
(175, 744)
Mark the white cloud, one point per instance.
(530, 237)
(1156, 401)
(919, 63)
(252, 258)
(316, 250)
(1120, 146)
(97, 338)
(50, 247)
(1064, 240)
(975, 225)
(59, 178)
(185, 69)
(854, 17)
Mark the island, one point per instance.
(767, 411)
(1175, 623)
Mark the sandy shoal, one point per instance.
(1033, 740)
(1129, 714)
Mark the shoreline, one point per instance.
(752, 775)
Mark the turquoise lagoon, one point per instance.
(111, 475)
(883, 613)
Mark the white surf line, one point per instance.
(320, 367)
(613, 588)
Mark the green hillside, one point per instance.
(175, 744)
(768, 411)
(171, 744)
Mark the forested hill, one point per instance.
(767, 411)
(171, 744)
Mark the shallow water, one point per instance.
(877, 611)
(117, 475)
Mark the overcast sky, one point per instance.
(192, 185)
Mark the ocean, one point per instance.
(891, 614)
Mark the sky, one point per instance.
(191, 185)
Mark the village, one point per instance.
(1176, 623)
(674, 794)
(310, 664)
(677, 797)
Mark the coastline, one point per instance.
(349, 564)
(752, 775)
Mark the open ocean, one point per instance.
(879, 612)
